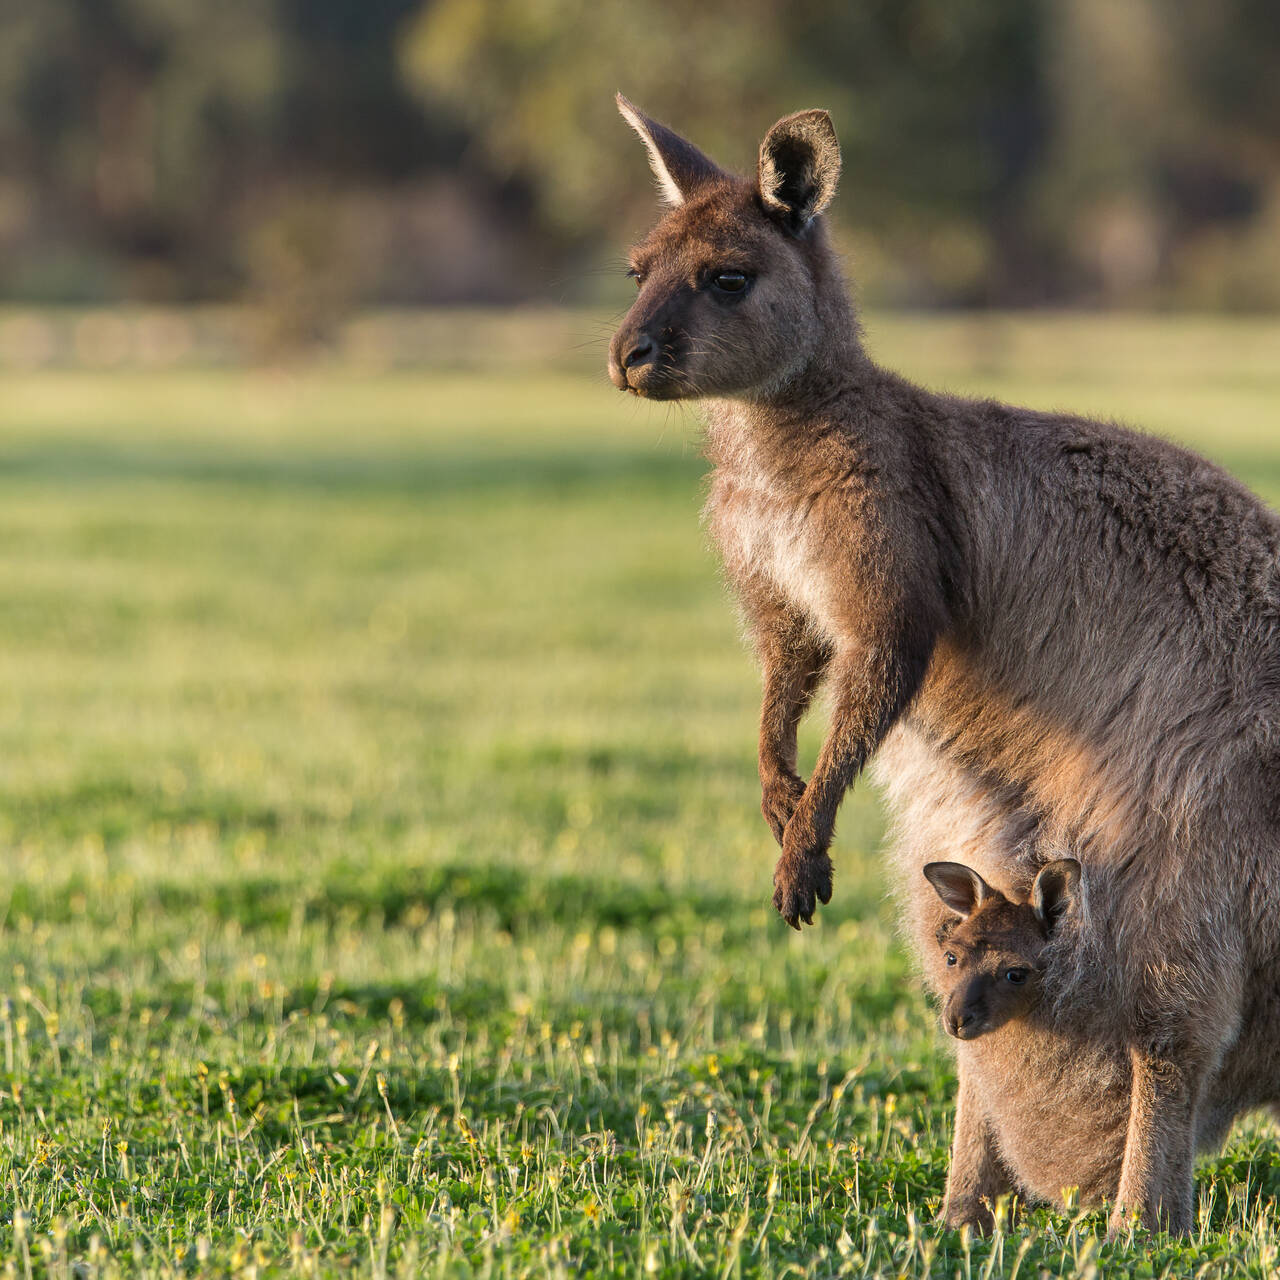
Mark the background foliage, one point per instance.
(333, 152)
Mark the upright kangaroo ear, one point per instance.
(1055, 889)
(679, 166)
(961, 888)
(799, 167)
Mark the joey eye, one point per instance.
(729, 281)
(950, 959)
(1016, 976)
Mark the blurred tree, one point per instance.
(1228, 57)
(942, 121)
(1160, 171)
(132, 124)
(344, 107)
(995, 150)
(937, 101)
(534, 82)
(322, 152)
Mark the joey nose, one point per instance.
(960, 1023)
(641, 352)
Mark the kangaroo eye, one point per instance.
(729, 281)
(950, 959)
(1016, 976)
(637, 276)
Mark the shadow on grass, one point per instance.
(90, 462)
(507, 897)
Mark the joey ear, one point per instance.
(961, 888)
(679, 166)
(1055, 889)
(799, 167)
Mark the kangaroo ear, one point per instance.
(1055, 889)
(679, 166)
(961, 888)
(799, 167)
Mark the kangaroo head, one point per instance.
(993, 949)
(731, 278)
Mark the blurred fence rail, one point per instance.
(211, 337)
(1056, 347)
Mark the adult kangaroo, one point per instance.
(1055, 634)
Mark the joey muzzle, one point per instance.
(963, 1022)
(964, 1016)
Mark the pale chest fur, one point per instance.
(763, 532)
(1058, 1107)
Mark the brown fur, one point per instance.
(1052, 633)
(994, 957)
(1045, 1110)
(1049, 1109)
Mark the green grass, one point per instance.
(386, 888)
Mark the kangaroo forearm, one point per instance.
(849, 744)
(788, 690)
(792, 660)
(790, 679)
(873, 693)
(874, 685)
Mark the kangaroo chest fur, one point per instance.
(1058, 1108)
(764, 517)
(764, 535)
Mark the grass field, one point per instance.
(386, 889)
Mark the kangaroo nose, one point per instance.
(642, 352)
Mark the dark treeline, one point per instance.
(337, 152)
